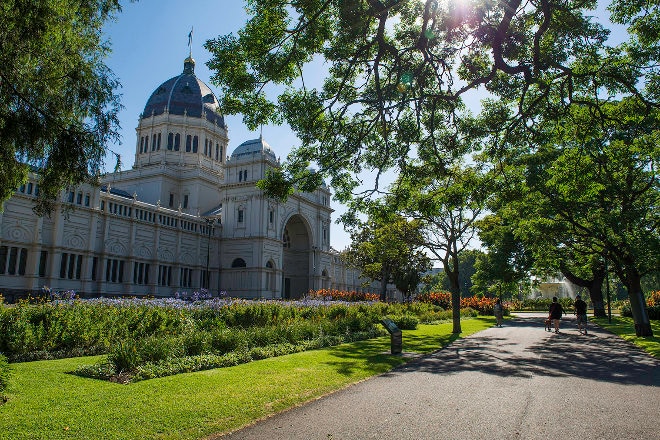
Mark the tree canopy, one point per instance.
(564, 116)
(388, 248)
(398, 69)
(58, 108)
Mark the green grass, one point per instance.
(625, 328)
(47, 403)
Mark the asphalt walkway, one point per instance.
(514, 382)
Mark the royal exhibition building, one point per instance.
(187, 216)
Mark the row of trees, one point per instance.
(557, 169)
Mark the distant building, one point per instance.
(186, 216)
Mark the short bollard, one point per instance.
(395, 335)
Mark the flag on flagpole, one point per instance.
(190, 37)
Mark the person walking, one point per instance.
(556, 311)
(581, 313)
(498, 310)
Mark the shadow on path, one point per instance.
(523, 349)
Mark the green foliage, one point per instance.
(466, 268)
(58, 110)
(5, 374)
(388, 247)
(405, 322)
(391, 87)
(653, 312)
(541, 304)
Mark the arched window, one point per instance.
(158, 146)
(153, 142)
(177, 142)
(238, 262)
(195, 144)
(269, 264)
(188, 143)
(170, 141)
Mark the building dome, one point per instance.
(184, 94)
(252, 147)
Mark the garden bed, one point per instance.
(147, 338)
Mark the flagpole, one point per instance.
(190, 38)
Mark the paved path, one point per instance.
(514, 382)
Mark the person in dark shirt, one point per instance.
(581, 313)
(556, 310)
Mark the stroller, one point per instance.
(548, 324)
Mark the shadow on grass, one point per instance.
(625, 328)
(374, 354)
(599, 356)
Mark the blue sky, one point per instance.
(149, 42)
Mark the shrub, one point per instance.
(653, 312)
(405, 322)
(440, 299)
(196, 342)
(125, 356)
(5, 373)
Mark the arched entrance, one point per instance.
(295, 253)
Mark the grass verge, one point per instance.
(625, 328)
(45, 402)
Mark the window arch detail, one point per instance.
(238, 262)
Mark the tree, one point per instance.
(506, 265)
(397, 70)
(387, 249)
(57, 105)
(589, 190)
(447, 207)
(466, 262)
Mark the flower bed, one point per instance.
(146, 338)
(484, 306)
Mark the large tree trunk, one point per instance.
(594, 285)
(637, 304)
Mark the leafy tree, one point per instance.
(388, 249)
(397, 73)
(397, 70)
(590, 190)
(466, 261)
(57, 106)
(447, 206)
(506, 265)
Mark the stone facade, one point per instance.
(185, 217)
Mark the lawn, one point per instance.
(625, 328)
(47, 403)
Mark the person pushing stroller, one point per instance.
(581, 313)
